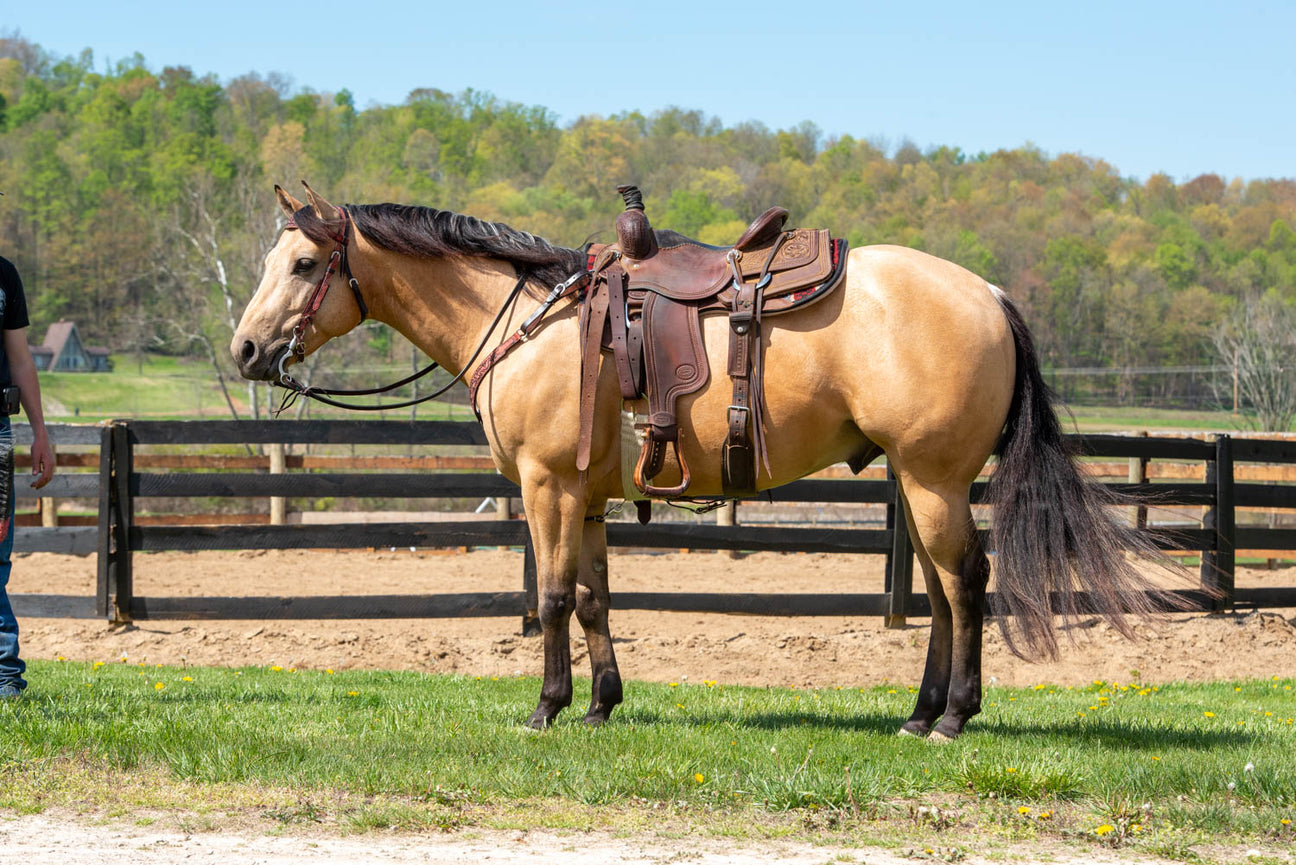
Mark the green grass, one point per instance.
(1095, 419)
(1170, 760)
(170, 388)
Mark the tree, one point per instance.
(1258, 342)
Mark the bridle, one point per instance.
(338, 259)
(297, 345)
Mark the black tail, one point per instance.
(1053, 532)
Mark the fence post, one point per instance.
(49, 506)
(531, 615)
(1218, 564)
(899, 561)
(278, 504)
(1138, 474)
(106, 551)
(121, 584)
(728, 516)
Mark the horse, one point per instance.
(911, 356)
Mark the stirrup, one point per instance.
(660, 492)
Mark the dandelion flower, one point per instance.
(699, 777)
(186, 678)
(1209, 714)
(1286, 821)
(1044, 815)
(1105, 829)
(353, 693)
(159, 686)
(1023, 810)
(1249, 767)
(276, 669)
(1012, 769)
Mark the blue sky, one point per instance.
(1179, 87)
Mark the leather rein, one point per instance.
(338, 260)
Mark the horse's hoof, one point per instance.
(539, 722)
(908, 734)
(936, 737)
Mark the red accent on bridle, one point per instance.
(337, 259)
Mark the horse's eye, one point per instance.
(303, 266)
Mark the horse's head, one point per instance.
(293, 311)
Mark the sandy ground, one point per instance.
(801, 652)
(53, 838)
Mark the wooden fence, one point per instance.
(119, 486)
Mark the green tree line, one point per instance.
(139, 202)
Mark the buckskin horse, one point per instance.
(911, 356)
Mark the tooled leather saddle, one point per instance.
(644, 304)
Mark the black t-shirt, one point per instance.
(13, 311)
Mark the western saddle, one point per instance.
(644, 303)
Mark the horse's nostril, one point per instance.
(249, 352)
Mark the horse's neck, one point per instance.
(443, 306)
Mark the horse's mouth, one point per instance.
(281, 359)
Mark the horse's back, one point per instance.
(911, 353)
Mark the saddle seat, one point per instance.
(644, 305)
(684, 269)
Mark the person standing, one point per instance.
(18, 386)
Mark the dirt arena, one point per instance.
(800, 652)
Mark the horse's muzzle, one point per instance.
(257, 362)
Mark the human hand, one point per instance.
(42, 462)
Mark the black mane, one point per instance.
(426, 231)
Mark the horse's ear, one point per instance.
(289, 204)
(323, 209)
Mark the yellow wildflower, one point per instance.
(1105, 829)
(699, 777)
(1209, 714)
(1023, 810)
(159, 686)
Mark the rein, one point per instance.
(319, 394)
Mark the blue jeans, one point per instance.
(11, 666)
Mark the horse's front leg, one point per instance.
(556, 519)
(592, 612)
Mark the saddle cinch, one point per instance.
(644, 304)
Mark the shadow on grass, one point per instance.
(1113, 735)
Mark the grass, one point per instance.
(170, 388)
(1182, 763)
(1097, 419)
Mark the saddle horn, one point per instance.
(634, 233)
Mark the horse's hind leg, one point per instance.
(934, 691)
(956, 572)
(592, 613)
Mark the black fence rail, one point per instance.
(119, 488)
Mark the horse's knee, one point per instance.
(591, 607)
(556, 606)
